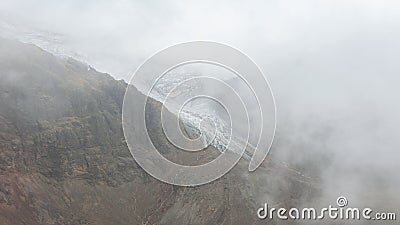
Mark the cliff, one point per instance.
(63, 158)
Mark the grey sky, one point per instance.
(116, 36)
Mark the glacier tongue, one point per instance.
(199, 120)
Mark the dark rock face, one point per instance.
(63, 158)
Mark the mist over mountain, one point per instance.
(332, 66)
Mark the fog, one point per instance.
(333, 67)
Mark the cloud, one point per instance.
(117, 36)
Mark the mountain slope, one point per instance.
(63, 158)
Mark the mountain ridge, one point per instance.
(64, 160)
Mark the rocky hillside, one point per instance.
(63, 158)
